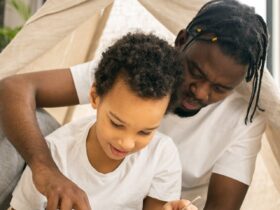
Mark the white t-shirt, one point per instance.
(214, 140)
(154, 171)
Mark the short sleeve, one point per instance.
(83, 77)
(25, 195)
(167, 182)
(238, 161)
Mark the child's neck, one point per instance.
(96, 155)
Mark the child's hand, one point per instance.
(179, 205)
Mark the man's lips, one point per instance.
(117, 152)
(191, 104)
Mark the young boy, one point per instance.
(117, 157)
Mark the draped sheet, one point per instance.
(56, 20)
(46, 28)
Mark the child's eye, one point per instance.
(143, 133)
(115, 124)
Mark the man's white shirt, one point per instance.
(216, 140)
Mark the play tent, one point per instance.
(67, 32)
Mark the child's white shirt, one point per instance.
(154, 171)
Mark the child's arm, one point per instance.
(154, 204)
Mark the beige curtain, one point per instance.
(51, 25)
(72, 28)
(173, 14)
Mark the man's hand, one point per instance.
(179, 205)
(61, 193)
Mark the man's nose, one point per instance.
(201, 91)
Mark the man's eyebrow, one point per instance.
(191, 62)
(204, 75)
(198, 68)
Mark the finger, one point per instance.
(83, 203)
(192, 207)
(183, 203)
(53, 202)
(178, 204)
(167, 206)
(66, 204)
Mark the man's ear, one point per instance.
(93, 97)
(181, 38)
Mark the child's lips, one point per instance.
(117, 152)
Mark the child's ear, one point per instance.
(93, 97)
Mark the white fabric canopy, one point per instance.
(78, 24)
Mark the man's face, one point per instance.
(126, 122)
(210, 76)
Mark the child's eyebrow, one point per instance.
(150, 129)
(117, 118)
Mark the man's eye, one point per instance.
(194, 72)
(218, 89)
(115, 124)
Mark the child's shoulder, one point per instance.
(71, 133)
(161, 143)
(160, 154)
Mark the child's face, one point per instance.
(125, 122)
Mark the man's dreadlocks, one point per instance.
(240, 33)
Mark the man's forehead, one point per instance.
(208, 60)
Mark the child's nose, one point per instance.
(127, 144)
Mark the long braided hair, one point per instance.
(240, 33)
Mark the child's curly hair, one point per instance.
(149, 65)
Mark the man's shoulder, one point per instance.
(231, 109)
(215, 120)
(235, 101)
(235, 108)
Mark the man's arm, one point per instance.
(225, 193)
(19, 97)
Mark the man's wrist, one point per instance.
(42, 162)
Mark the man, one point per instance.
(225, 42)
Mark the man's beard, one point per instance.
(185, 113)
